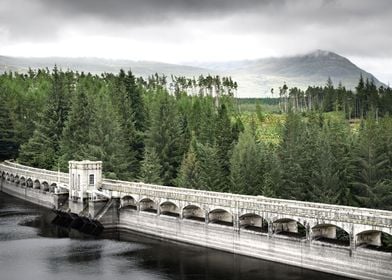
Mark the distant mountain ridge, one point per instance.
(255, 77)
(312, 69)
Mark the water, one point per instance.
(32, 248)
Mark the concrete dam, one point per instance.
(330, 238)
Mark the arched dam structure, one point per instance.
(330, 238)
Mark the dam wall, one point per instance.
(330, 258)
(36, 196)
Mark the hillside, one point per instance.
(300, 71)
(255, 77)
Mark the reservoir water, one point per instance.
(32, 248)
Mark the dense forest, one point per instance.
(192, 133)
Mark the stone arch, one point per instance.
(29, 183)
(3, 174)
(253, 222)
(37, 184)
(45, 186)
(220, 216)
(128, 202)
(52, 187)
(22, 181)
(17, 180)
(7, 176)
(330, 233)
(289, 227)
(148, 205)
(194, 212)
(12, 178)
(375, 240)
(169, 208)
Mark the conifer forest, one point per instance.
(325, 144)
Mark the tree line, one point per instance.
(143, 130)
(366, 100)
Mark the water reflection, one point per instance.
(31, 246)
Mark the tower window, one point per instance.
(91, 179)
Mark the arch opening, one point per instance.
(289, 227)
(45, 186)
(374, 240)
(12, 179)
(7, 177)
(128, 202)
(37, 184)
(22, 181)
(193, 212)
(170, 209)
(148, 205)
(52, 187)
(29, 183)
(17, 180)
(332, 234)
(221, 217)
(253, 222)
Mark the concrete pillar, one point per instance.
(308, 232)
(76, 206)
(236, 222)
(270, 228)
(370, 238)
(207, 217)
(351, 236)
(158, 209)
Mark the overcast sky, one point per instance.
(200, 30)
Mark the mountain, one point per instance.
(312, 69)
(255, 77)
(97, 65)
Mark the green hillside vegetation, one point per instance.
(325, 144)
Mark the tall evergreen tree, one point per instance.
(8, 144)
(106, 141)
(224, 142)
(188, 176)
(163, 135)
(134, 99)
(151, 169)
(43, 148)
(76, 134)
(247, 166)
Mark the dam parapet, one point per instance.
(342, 240)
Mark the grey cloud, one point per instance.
(347, 26)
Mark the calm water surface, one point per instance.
(32, 248)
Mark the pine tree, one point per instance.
(106, 141)
(208, 168)
(8, 144)
(164, 134)
(224, 141)
(188, 176)
(247, 166)
(291, 158)
(134, 100)
(43, 148)
(151, 168)
(76, 134)
(125, 90)
(371, 163)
